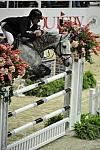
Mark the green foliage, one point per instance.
(47, 89)
(88, 80)
(88, 127)
(53, 120)
(58, 85)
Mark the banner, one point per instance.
(52, 16)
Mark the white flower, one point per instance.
(6, 71)
(75, 44)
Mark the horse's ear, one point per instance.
(63, 37)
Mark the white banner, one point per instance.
(52, 15)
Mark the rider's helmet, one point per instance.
(35, 13)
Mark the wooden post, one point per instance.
(97, 97)
(67, 95)
(76, 92)
(91, 101)
(80, 87)
(39, 4)
(0, 118)
(70, 4)
(94, 94)
(68, 80)
(4, 99)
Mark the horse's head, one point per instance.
(61, 45)
(62, 49)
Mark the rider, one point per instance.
(14, 26)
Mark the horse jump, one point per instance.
(56, 130)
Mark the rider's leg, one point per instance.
(10, 39)
(9, 36)
(8, 33)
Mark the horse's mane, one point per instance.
(47, 40)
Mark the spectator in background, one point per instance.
(49, 3)
(2, 4)
(76, 4)
(84, 3)
(46, 4)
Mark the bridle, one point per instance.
(63, 56)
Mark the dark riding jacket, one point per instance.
(20, 25)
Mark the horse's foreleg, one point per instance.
(38, 72)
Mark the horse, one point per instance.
(32, 52)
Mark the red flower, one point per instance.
(4, 55)
(17, 51)
(2, 47)
(10, 62)
(81, 39)
(10, 76)
(1, 77)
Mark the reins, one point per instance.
(59, 44)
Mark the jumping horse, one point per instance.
(32, 52)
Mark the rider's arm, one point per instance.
(28, 35)
(24, 33)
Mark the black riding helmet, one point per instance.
(35, 13)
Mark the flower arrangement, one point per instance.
(11, 65)
(83, 42)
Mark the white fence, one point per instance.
(94, 99)
(51, 132)
(40, 138)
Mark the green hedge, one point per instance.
(89, 80)
(88, 127)
(47, 89)
(53, 120)
(58, 85)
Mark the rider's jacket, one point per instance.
(19, 25)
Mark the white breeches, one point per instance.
(8, 35)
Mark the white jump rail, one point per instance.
(39, 102)
(94, 99)
(38, 120)
(45, 81)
